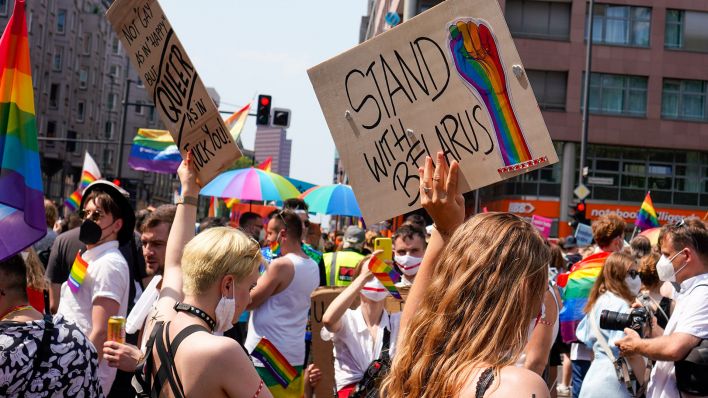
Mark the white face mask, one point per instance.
(225, 311)
(634, 284)
(408, 264)
(665, 268)
(374, 290)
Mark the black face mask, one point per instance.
(90, 232)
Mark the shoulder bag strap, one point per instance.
(623, 366)
(386, 344)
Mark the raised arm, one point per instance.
(441, 199)
(333, 316)
(182, 231)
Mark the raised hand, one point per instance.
(439, 194)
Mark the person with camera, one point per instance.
(684, 263)
(611, 296)
(359, 335)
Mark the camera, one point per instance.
(635, 320)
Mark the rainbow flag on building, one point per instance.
(237, 120)
(646, 216)
(385, 274)
(22, 219)
(578, 284)
(89, 174)
(155, 151)
(275, 362)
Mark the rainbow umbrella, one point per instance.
(250, 184)
(337, 199)
(652, 234)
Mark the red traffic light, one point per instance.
(265, 101)
(116, 181)
(580, 207)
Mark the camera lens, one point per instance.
(611, 320)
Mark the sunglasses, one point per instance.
(633, 273)
(94, 215)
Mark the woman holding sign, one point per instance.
(359, 335)
(479, 287)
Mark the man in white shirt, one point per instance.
(281, 300)
(684, 262)
(98, 285)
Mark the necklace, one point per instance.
(14, 309)
(197, 312)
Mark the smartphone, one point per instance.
(386, 245)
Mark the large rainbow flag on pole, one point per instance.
(89, 174)
(155, 151)
(646, 216)
(22, 220)
(578, 284)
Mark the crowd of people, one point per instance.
(492, 309)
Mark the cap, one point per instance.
(570, 242)
(354, 235)
(121, 197)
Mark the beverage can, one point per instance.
(116, 329)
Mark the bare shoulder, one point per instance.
(520, 382)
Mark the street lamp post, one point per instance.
(586, 95)
(121, 140)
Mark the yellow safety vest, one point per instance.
(345, 263)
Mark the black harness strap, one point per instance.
(166, 353)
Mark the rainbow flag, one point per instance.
(275, 248)
(578, 284)
(155, 151)
(266, 164)
(89, 174)
(646, 216)
(22, 220)
(237, 120)
(385, 274)
(78, 273)
(275, 362)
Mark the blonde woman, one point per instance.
(467, 317)
(210, 276)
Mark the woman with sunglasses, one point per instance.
(615, 290)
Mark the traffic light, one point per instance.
(263, 110)
(578, 214)
(281, 118)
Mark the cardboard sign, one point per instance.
(449, 79)
(322, 351)
(583, 235)
(543, 224)
(174, 85)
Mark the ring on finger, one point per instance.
(427, 189)
(436, 178)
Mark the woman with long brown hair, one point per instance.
(615, 289)
(479, 287)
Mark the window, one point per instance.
(618, 94)
(110, 127)
(3, 8)
(83, 78)
(87, 43)
(71, 141)
(51, 129)
(139, 107)
(112, 98)
(61, 21)
(542, 19)
(80, 111)
(57, 59)
(54, 95)
(115, 45)
(549, 88)
(621, 25)
(107, 158)
(686, 30)
(115, 71)
(684, 99)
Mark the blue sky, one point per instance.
(243, 48)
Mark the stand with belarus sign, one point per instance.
(174, 85)
(449, 79)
